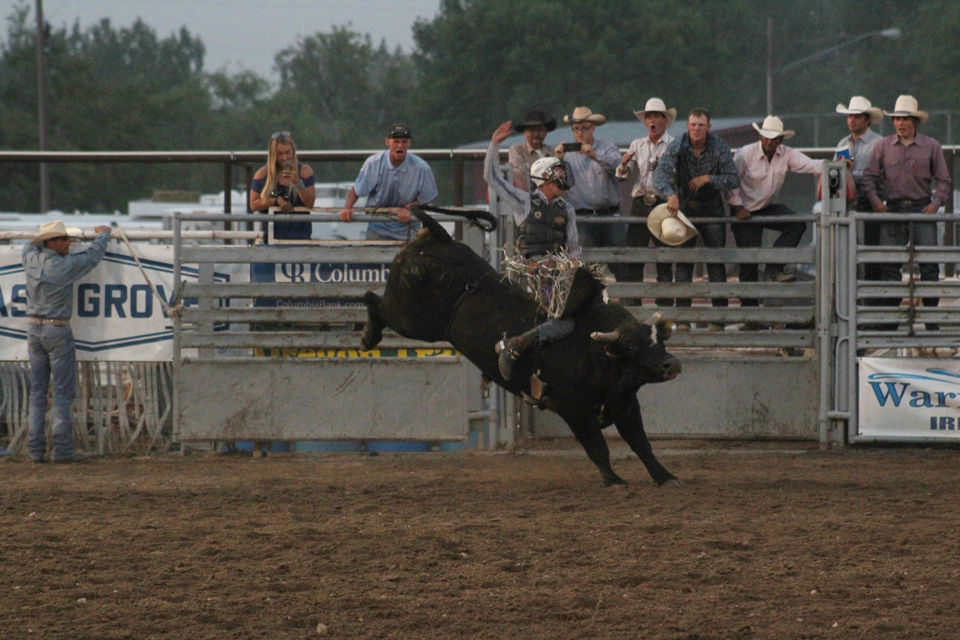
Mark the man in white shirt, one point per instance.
(641, 159)
(762, 167)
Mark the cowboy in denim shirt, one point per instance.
(51, 271)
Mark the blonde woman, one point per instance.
(269, 189)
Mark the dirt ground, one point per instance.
(770, 541)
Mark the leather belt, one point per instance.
(919, 204)
(609, 211)
(649, 199)
(57, 322)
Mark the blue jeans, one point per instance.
(555, 329)
(51, 350)
(751, 235)
(608, 233)
(713, 236)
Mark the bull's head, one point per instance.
(642, 344)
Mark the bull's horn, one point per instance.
(654, 319)
(605, 337)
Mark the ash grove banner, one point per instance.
(116, 316)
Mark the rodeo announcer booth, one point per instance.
(51, 271)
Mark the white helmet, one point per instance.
(550, 168)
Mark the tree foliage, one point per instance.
(476, 63)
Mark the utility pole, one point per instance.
(42, 108)
(769, 66)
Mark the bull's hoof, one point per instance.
(370, 337)
(614, 481)
(671, 482)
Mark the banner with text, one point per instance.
(116, 317)
(907, 397)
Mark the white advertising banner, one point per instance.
(909, 397)
(116, 317)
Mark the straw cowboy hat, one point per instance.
(583, 114)
(772, 127)
(659, 106)
(861, 106)
(55, 229)
(907, 106)
(536, 119)
(669, 229)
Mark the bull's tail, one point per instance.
(431, 225)
(480, 218)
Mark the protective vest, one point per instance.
(545, 229)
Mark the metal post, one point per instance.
(769, 65)
(42, 108)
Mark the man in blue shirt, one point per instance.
(393, 178)
(51, 271)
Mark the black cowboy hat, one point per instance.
(536, 119)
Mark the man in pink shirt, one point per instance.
(762, 167)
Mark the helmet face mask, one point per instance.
(552, 170)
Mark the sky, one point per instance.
(243, 34)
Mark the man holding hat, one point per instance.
(523, 154)
(908, 168)
(595, 193)
(642, 158)
(393, 178)
(51, 271)
(762, 167)
(693, 173)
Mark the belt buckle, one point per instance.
(649, 199)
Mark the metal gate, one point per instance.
(866, 318)
(277, 358)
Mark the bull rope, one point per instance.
(170, 310)
(549, 279)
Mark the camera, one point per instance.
(280, 191)
(571, 146)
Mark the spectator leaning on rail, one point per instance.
(523, 154)
(595, 192)
(393, 178)
(762, 167)
(51, 270)
(641, 159)
(693, 174)
(907, 167)
(269, 187)
(546, 223)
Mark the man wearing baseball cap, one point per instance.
(51, 271)
(393, 178)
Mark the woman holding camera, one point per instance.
(272, 187)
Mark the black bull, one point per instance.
(440, 289)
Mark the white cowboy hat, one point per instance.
(772, 127)
(907, 106)
(55, 229)
(659, 106)
(669, 229)
(861, 106)
(583, 114)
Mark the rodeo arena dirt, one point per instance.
(301, 440)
